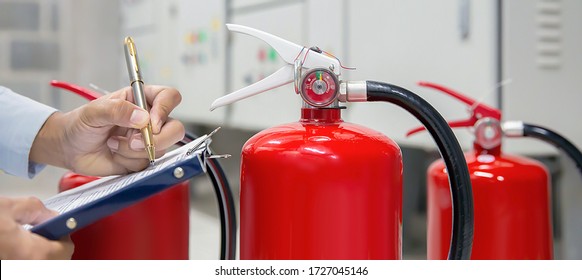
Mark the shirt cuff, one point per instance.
(26, 119)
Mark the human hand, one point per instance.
(19, 243)
(103, 138)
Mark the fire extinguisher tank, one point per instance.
(511, 194)
(321, 188)
(512, 208)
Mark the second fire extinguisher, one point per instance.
(511, 193)
(322, 188)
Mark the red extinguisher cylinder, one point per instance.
(512, 208)
(156, 228)
(321, 189)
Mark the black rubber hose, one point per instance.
(555, 139)
(226, 206)
(227, 210)
(452, 154)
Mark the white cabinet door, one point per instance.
(542, 54)
(402, 42)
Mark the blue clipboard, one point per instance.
(93, 201)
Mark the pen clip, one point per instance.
(130, 45)
(131, 59)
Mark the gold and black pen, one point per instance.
(136, 83)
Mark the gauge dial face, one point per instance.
(319, 87)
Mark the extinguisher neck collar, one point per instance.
(321, 115)
(479, 150)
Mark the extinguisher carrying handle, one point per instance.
(521, 129)
(452, 154)
(478, 110)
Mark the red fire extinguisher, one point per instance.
(322, 188)
(156, 228)
(511, 193)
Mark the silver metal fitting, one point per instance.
(512, 128)
(297, 75)
(353, 91)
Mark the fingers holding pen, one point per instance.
(166, 131)
(113, 111)
(132, 145)
(163, 100)
(131, 148)
(171, 132)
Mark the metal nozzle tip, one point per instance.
(151, 153)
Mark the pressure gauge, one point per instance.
(319, 87)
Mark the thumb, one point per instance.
(107, 112)
(30, 210)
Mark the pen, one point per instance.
(138, 94)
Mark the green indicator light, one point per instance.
(202, 36)
(272, 54)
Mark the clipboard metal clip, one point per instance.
(205, 142)
(207, 154)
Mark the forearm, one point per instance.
(47, 147)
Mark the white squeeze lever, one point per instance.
(296, 57)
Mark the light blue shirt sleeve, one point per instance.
(20, 121)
